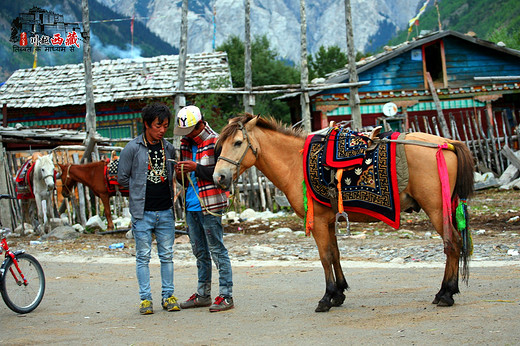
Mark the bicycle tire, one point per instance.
(19, 297)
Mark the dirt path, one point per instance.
(96, 303)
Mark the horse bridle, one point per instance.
(249, 146)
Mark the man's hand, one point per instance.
(185, 167)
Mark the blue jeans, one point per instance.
(207, 242)
(162, 224)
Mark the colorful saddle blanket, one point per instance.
(344, 148)
(111, 177)
(23, 184)
(368, 187)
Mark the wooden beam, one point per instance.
(442, 120)
(510, 155)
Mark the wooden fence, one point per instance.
(487, 136)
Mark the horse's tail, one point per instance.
(464, 186)
(464, 189)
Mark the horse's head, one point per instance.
(44, 171)
(240, 149)
(66, 180)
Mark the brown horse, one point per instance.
(93, 176)
(276, 151)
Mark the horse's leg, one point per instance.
(450, 281)
(41, 221)
(341, 283)
(105, 198)
(325, 249)
(422, 167)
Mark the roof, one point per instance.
(342, 75)
(113, 80)
(391, 52)
(21, 134)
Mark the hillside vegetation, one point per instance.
(495, 21)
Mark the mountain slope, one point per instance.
(490, 20)
(374, 22)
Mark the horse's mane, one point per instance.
(89, 164)
(269, 124)
(45, 159)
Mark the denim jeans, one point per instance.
(162, 224)
(207, 242)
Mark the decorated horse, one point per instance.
(374, 181)
(100, 177)
(36, 180)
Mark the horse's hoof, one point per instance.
(446, 302)
(337, 300)
(443, 301)
(322, 307)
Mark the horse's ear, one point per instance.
(252, 123)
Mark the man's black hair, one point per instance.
(156, 110)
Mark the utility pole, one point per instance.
(353, 77)
(249, 100)
(180, 99)
(304, 80)
(90, 120)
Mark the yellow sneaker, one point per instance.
(170, 304)
(146, 307)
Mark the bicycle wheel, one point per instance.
(19, 297)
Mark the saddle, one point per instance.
(353, 172)
(111, 183)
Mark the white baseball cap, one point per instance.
(187, 118)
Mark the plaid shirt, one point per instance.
(214, 199)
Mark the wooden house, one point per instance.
(54, 96)
(469, 76)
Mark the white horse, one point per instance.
(43, 185)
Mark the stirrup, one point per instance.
(337, 224)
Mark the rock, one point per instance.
(248, 214)
(183, 239)
(95, 223)
(259, 250)
(62, 233)
(129, 234)
(282, 230)
(397, 260)
(79, 228)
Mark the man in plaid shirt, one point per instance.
(204, 206)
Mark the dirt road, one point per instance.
(94, 301)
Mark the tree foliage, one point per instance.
(326, 60)
(267, 69)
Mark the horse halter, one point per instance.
(249, 146)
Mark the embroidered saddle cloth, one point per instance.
(111, 177)
(369, 186)
(23, 184)
(344, 148)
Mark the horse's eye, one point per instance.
(237, 144)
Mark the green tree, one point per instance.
(326, 60)
(267, 69)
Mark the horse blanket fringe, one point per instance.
(368, 187)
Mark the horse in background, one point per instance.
(99, 177)
(36, 181)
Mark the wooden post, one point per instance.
(90, 120)
(442, 121)
(353, 77)
(248, 79)
(304, 80)
(180, 100)
(4, 115)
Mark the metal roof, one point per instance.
(113, 80)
